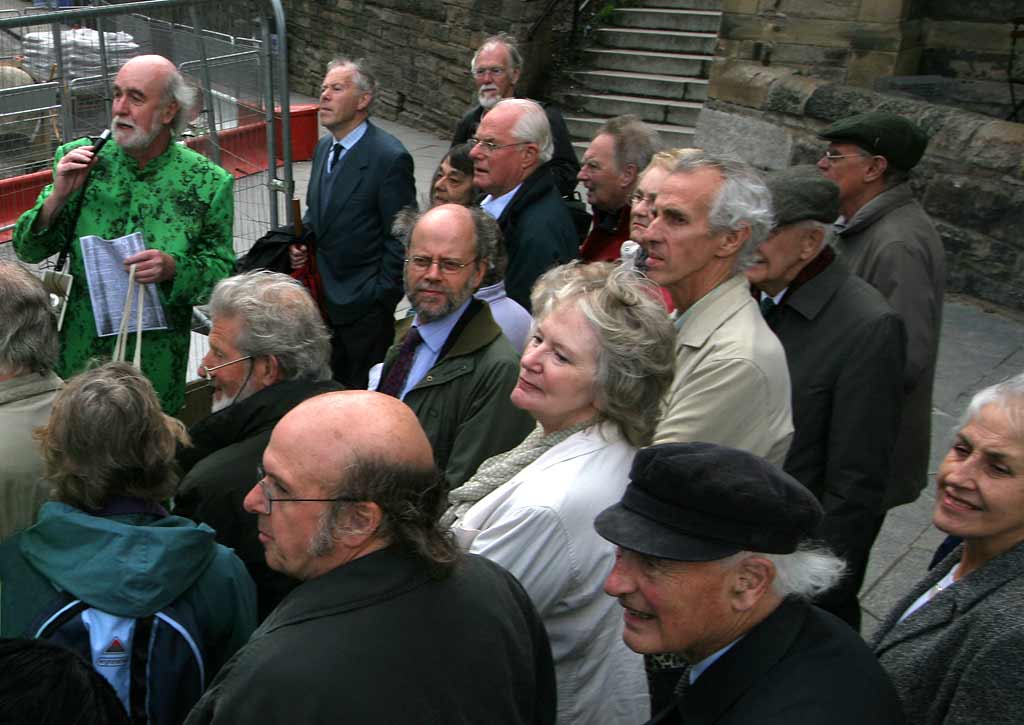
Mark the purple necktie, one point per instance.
(394, 383)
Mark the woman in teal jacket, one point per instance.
(107, 542)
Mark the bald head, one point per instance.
(152, 103)
(331, 431)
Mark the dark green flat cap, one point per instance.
(800, 193)
(900, 141)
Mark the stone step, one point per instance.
(684, 4)
(583, 128)
(636, 61)
(683, 113)
(676, 88)
(703, 21)
(661, 40)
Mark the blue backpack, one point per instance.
(154, 663)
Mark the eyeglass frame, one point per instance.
(269, 500)
(207, 370)
(638, 196)
(490, 147)
(833, 157)
(495, 71)
(446, 266)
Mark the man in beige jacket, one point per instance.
(731, 385)
(28, 352)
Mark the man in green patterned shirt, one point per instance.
(180, 201)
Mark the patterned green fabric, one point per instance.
(184, 206)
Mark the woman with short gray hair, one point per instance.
(593, 375)
(952, 645)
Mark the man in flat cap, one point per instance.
(713, 564)
(887, 239)
(845, 350)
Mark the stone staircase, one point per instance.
(651, 61)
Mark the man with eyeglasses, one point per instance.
(887, 239)
(391, 623)
(612, 164)
(269, 351)
(509, 153)
(496, 68)
(451, 363)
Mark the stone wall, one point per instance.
(420, 49)
(971, 180)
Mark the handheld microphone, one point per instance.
(101, 142)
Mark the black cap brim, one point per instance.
(629, 530)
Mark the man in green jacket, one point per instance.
(451, 363)
(181, 202)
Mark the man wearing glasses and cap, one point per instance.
(845, 352)
(885, 237)
(713, 564)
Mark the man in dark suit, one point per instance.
(361, 177)
(714, 565)
(845, 351)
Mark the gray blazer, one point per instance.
(958, 659)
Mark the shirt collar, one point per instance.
(436, 333)
(352, 137)
(495, 206)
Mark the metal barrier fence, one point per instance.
(56, 69)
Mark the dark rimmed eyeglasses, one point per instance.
(447, 266)
(268, 500)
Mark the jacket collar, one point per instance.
(533, 187)
(739, 669)
(898, 196)
(946, 605)
(814, 292)
(361, 583)
(712, 310)
(28, 386)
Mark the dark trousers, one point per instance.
(359, 345)
(842, 600)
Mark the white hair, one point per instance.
(532, 126)
(805, 573)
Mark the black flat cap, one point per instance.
(801, 193)
(900, 141)
(702, 502)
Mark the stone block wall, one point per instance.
(419, 49)
(971, 179)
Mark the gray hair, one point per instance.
(108, 437)
(279, 318)
(28, 328)
(635, 141)
(1008, 396)
(636, 340)
(486, 232)
(515, 59)
(805, 573)
(364, 78)
(743, 200)
(184, 94)
(532, 126)
(411, 498)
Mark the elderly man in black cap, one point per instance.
(845, 351)
(887, 239)
(713, 564)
